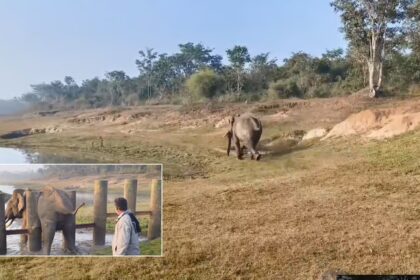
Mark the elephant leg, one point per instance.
(48, 232)
(254, 153)
(69, 238)
(243, 149)
(238, 148)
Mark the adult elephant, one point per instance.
(55, 211)
(244, 130)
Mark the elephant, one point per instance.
(55, 212)
(245, 129)
(15, 210)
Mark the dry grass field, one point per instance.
(348, 204)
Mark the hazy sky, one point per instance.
(45, 40)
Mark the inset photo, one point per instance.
(81, 210)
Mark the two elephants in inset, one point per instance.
(55, 211)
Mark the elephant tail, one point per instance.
(75, 211)
(256, 124)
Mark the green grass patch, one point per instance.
(399, 155)
(147, 248)
(151, 248)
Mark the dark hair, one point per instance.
(121, 203)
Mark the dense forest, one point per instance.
(383, 55)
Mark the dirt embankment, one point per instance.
(379, 123)
(285, 115)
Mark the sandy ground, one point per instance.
(348, 203)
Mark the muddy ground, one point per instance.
(347, 203)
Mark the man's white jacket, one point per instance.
(126, 240)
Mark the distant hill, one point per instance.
(10, 107)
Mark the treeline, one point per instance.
(195, 73)
(68, 171)
(383, 55)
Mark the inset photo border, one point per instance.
(81, 210)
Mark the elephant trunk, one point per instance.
(11, 222)
(229, 136)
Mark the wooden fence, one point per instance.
(100, 203)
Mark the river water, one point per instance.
(84, 237)
(14, 156)
(20, 156)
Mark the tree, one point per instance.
(165, 75)
(71, 88)
(372, 27)
(30, 98)
(117, 80)
(191, 58)
(238, 57)
(89, 92)
(69, 81)
(413, 26)
(205, 83)
(262, 71)
(145, 65)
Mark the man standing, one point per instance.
(126, 237)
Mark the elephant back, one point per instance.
(58, 199)
(247, 127)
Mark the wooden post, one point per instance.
(72, 195)
(99, 211)
(3, 241)
(130, 193)
(33, 224)
(155, 206)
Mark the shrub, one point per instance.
(284, 89)
(204, 84)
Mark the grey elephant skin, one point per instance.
(245, 132)
(55, 212)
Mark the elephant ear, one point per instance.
(21, 201)
(63, 202)
(59, 199)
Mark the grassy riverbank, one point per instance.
(348, 203)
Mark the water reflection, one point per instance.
(19, 156)
(84, 243)
(12, 156)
